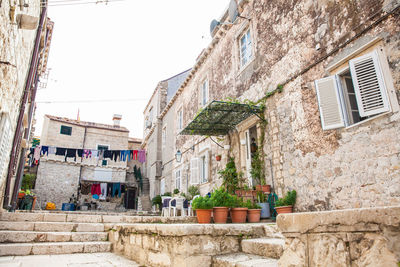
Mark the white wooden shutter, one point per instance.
(194, 171)
(207, 166)
(369, 85)
(329, 102)
(5, 140)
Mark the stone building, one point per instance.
(328, 75)
(25, 36)
(159, 150)
(59, 178)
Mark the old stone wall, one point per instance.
(16, 47)
(56, 182)
(294, 44)
(354, 237)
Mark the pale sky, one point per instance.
(120, 51)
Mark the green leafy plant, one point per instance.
(156, 201)
(167, 194)
(28, 181)
(257, 168)
(251, 206)
(176, 191)
(231, 178)
(237, 202)
(193, 191)
(288, 200)
(221, 198)
(203, 203)
(261, 197)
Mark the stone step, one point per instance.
(58, 217)
(33, 237)
(52, 226)
(243, 260)
(22, 249)
(265, 247)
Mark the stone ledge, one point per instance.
(351, 220)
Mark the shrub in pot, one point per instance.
(254, 212)
(285, 204)
(238, 211)
(262, 202)
(230, 176)
(218, 157)
(222, 201)
(203, 207)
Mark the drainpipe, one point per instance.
(18, 132)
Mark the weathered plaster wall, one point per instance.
(345, 168)
(16, 46)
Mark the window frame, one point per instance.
(66, 127)
(179, 124)
(104, 161)
(180, 178)
(204, 100)
(162, 186)
(246, 33)
(204, 167)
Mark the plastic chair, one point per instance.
(165, 206)
(190, 208)
(172, 206)
(185, 208)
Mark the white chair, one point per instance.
(172, 206)
(165, 206)
(190, 209)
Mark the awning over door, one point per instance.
(219, 117)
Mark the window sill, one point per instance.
(367, 120)
(242, 68)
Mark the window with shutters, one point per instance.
(246, 48)
(162, 186)
(194, 171)
(203, 162)
(353, 95)
(204, 93)
(180, 119)
(5, 140)
(178, 175)
(103, 147)
(66, 130)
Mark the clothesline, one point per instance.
(99, 154)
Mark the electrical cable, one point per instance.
(90, 101)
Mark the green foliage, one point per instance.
(202, 203)
(237, 202)
(261, 197)
(156, 201)
(28, 181)
(288, 200)
(231, 178)
(257, 168)
(250, 205)
(221, 198)
(176, 191)
(183, 195)
(167, 194)
(193, 191)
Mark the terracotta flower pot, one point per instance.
(253, 215)
(220, 214)
(284, 209)
(239, 215)
(258, 187)
(203, 215)
(218, 157)
(266, 188)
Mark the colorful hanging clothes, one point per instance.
(44, 150)
(52, 150)
(134, 154)
(116, 154)
(71, 153)
(142, 156)
(108, 154)
(80, 152)
(116, 187)
(103, 188)
(95, 153)
(36, 153)
(87, 153)
(95, 190)
(60, 151)
(124, 155)
(85, 188)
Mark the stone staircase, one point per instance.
(254, 252)
(47, 233)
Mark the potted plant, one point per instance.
(230, 177)
(203, 207)
(176, 192)
(285, 204)
(156, 201)
(218, 157)
(254, 212)
(193, 191)
(222, 201)
(262, 202)
(238, 210)
(257, 172)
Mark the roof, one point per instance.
(218, 118)
(87, 124)
(175, 82)
(134, 140)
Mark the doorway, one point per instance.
(251, 148)
(130, 199)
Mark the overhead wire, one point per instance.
(90, 101)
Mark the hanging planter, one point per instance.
(218, 157)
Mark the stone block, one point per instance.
(17, 226)
(242, 260)
(94, 247)
(192, 261)
(265, 247)
(84, 218)
(54, 217)
(89, 236)
(112, 219)
(328, 250)
(295, 252)
(90, 227)
(58, 237)
(57, 248)
(159, 259)
(54, 227)
(21, 237)
(15, 249)
(21, 216)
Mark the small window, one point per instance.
(164, 136)
(180, 119)
(204, 93)
(178, 179)
(203, 162)
(103, 147)
(194, 171)
(358, 93)
(245, 45)
(66, 130)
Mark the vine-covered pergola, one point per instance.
(219, 117)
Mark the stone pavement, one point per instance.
(67, 260)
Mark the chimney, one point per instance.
(116, 120)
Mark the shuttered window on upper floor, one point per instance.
(66, 130)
